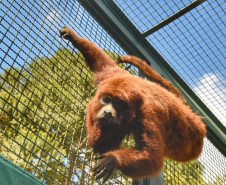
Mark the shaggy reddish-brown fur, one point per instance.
(162, 123)
(150, 73)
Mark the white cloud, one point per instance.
(51, 16)
(213, 161)
(211, 90)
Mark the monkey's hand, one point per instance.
(106, 167)
(67, 33)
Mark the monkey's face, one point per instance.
(111, 112)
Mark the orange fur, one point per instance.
(162, 123)
(150, 73)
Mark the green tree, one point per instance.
(42, 115)
(42, 112)
(183, 173)
(220, 180)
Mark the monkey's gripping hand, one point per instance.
(106, 167)
(67, 33)
(96, 59)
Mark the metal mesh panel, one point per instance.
(45, 87)
(146, 14)
(208, 169)
(194, 45)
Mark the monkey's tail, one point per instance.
(150, 73)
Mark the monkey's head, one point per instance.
(111, 112)
(117, 103)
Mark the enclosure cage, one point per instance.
(45, 86)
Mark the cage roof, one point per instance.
(190, 36)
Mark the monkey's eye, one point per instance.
(106, 99)
(120, 104)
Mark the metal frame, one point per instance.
(173, 17)
(114, 21)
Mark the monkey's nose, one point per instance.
(105, 118)
(107, 114)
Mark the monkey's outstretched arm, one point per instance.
(150, 73)
(96, 59)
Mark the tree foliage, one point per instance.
(183, 173)
(42, 115)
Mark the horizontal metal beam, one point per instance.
(173, 17)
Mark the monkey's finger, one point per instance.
(102, 167)
(107, 171)
(64, 35)
(107, 177)
(99, 168)
(102, 174)
(128, 67)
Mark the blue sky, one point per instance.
(194, 45)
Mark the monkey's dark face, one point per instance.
(111, 112)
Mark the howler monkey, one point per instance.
(153, 111)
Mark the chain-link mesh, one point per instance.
(146, 14)
(45, 87)
(194, 46)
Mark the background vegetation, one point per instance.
(42, 115)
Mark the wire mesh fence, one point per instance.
(44, 89)
(147, 14)
(194, 45)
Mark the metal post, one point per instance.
(156, 180)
